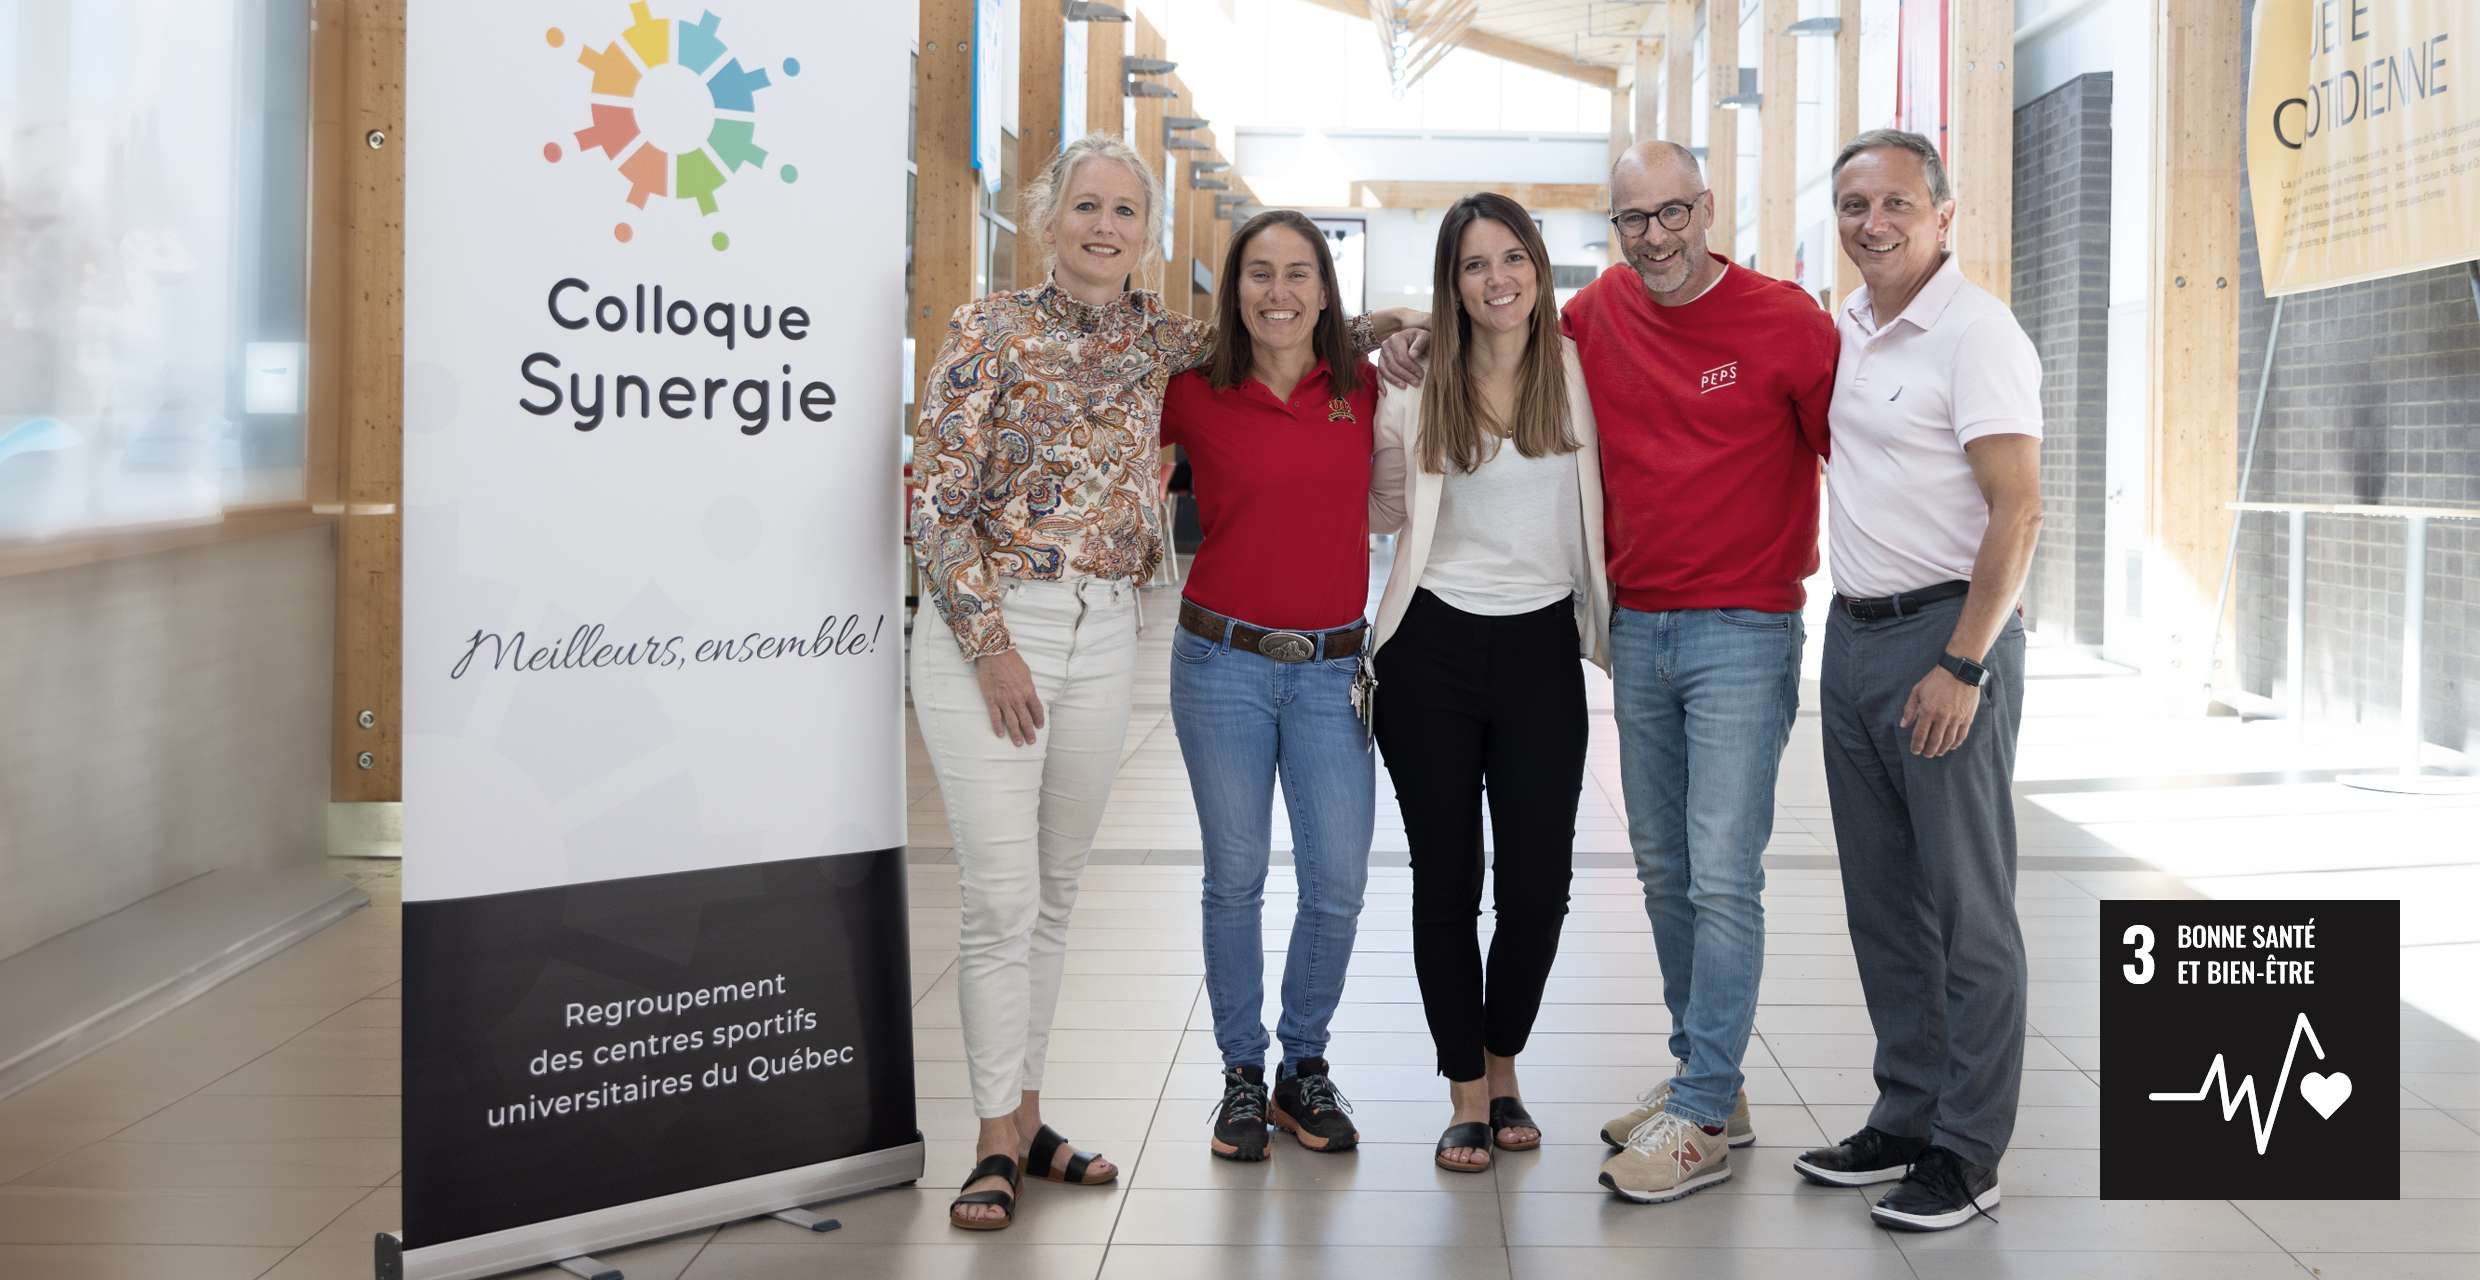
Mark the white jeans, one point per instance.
(1024, 817)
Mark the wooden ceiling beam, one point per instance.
(1502, 48)
(1536, 197)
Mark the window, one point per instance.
(153, 221)
(996, 269)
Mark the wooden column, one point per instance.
(1041, 43)
(1679, 79)
(1149, 139)
(1647, 95)
(1106, 94)
(945, 205)
(367, 380)
(1722, 125)
(1778, 168)
(1621, 123)
(1981, 151)
(1183, 207)
(1846, 127)
(2197, 145)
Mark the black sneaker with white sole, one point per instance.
(1865, 1158)
(1942, 1190)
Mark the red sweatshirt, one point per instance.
(1712, 418)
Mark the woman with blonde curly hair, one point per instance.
(1037, 453)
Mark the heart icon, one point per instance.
(2325, 1093)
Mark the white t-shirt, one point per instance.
(1508, 537)
(1903, 511)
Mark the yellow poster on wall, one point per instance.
(2363, 144)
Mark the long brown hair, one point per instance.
(1452, 415)
(1233, 356)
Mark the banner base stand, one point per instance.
(590, 1269)
(562, 1239)
(806, 1220)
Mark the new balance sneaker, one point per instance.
(1942, 1190)
(1240, 1118)
(1666, 1158)
(1867, 1157)
(1737, 1128)
(1308, 1106)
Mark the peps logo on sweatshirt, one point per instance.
(1718, 377)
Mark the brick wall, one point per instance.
(2062, 299)
(2375, 398)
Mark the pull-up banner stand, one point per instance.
(655, 969)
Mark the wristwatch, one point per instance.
(1964, 669)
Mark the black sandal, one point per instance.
(1046, 1145)
(994, 1166)
(1471, 1133)
(1509, 1113)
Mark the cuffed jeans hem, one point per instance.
(1701, 1121)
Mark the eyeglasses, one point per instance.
(1673, 216)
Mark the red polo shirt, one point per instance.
(1712, 419)
(1283, 494)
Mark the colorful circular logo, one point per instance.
(672, 110)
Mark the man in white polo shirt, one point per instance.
(1934, 503)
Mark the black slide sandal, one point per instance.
(1509, 1113)
(1046, 1145)
(1471, 1133)
(994, 1166)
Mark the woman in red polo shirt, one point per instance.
(1277, 429)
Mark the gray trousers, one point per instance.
(1928, 854)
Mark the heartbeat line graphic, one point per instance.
(2217, 1076)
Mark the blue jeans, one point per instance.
(1705, 700)
(1244, 721)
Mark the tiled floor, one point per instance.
(253, 1133)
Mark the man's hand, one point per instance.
(1007, 690)
(1405, 358)
(1939, 713)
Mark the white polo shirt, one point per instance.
(1903, 511)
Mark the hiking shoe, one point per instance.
(1666, 1158)
(1240, 1118)
(1942, 1190)
(1739, 1131)
(1869, 1156)
(1309, 1107)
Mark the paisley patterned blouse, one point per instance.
(1038, 451)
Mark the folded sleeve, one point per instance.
(1997, 381)
(953, 470)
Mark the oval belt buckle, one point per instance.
(1286, 646)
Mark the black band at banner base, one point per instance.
(591, 1045)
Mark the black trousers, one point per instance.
(1468, 704)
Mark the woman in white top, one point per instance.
(1497, 589)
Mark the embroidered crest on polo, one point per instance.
(1339, 409)
(1718, 377)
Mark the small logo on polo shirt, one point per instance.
(1339, 410)
(1718, 377)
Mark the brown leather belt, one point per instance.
(1281, 646)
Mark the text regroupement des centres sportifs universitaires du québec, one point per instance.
(761, 1067)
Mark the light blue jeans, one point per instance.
(1705, 700)
(1243, 722)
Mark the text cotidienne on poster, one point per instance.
(592, 399)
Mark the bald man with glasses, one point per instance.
(1711, 383)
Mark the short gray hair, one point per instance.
(1043, 194)
(1898, 140)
